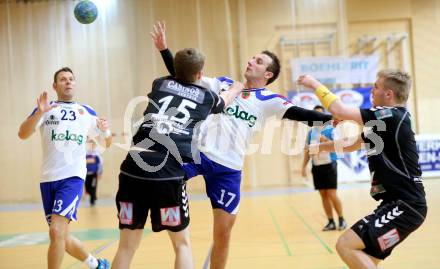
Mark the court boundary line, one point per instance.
(311, 230)
(280, 232)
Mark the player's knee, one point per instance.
(342, 245)
(332, 193)
(56, 233)
(129, 245)
(181, 244)
(223, 233)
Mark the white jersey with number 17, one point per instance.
(225, 137)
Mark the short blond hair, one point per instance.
(187, 63)
(397, 81)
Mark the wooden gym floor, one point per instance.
(279, 228)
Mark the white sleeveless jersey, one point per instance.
(225, 137)
(64, 131)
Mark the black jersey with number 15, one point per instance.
(174, 110)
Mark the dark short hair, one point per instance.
(187, 63)
(274, 67)
(318, 107)
(64, 69)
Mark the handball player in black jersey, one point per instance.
(393, 161)
(151, 180)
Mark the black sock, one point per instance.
(331, 220)
(341, 219)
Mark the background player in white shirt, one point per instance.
(64, 126)
(226, 136)
(325, 173)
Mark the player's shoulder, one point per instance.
(266, 95)
(159, 80)
(224, 79)
(217, 84)
(87, 109)
(163, 78)
(216, 80)
(384, 112)
(376, 108)
(35, 109)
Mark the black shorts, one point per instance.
(389, 225)
(153, 192)
(151, 165)
(325, 176)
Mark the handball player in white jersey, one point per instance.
(225, 136)
(64, 126)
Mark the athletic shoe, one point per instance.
(103, 264)
(342, 225)
(331, 226)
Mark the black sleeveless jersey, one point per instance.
(392, 155)
(174, 114)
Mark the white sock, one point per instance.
(91, 262)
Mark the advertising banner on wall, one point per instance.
(428, 147)
(355, 97)
(337, 69)
(353, 166)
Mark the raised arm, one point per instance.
(27, 128)
(330, 101)
(168, 59)
(159, 39)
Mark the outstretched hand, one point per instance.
(304, 173)
(102, 124)
(158, 35)
(308, 81)
(43, 104)
(237, 87)
(335, 121)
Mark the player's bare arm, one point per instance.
(330, 101)
(229, 95)
(347, 144)
(305, 162)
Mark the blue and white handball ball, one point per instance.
(86, 12)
